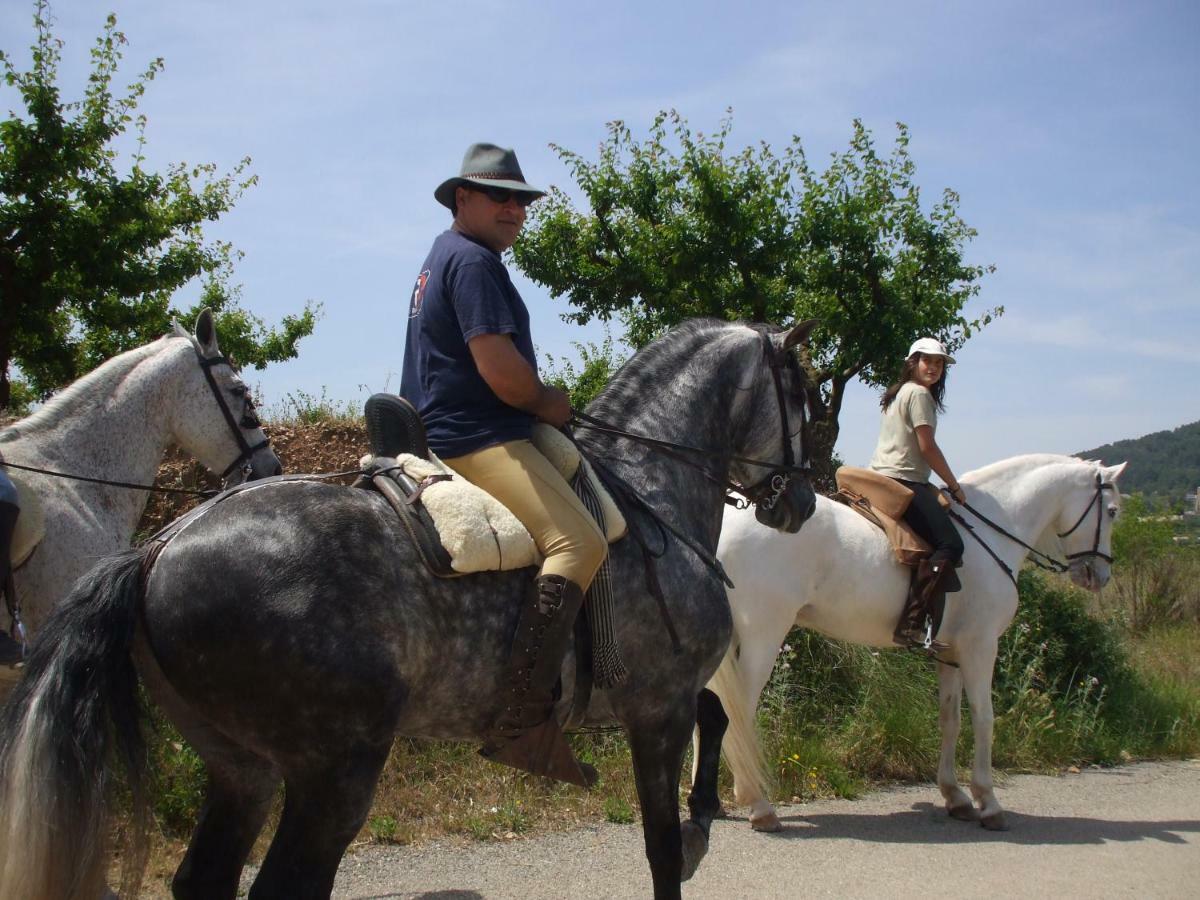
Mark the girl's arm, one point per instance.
(937, 461)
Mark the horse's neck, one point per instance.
(692, 410)
(1032, 501)
(113, 429)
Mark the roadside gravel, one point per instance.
(1132, 831)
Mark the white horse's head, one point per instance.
(1085, 523)
(213, 416)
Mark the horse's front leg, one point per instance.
(977, 671)
(657, 748)
(950, 682)
(711, 723)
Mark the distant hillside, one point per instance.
(1166, 463)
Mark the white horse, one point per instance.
(114, 425)
(838, 576)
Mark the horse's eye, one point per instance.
(1112, 512)
(238, 390)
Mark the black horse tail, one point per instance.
(76, 703)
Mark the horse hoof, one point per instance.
(994, 822)
(767, 822)
(964, 812)
(694, 844)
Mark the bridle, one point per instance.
(765, 492)
(1098, 502)
(249, 416)
(1038, 558)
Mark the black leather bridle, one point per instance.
(249, 416)
(1098, 502)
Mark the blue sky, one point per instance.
(1069, 129)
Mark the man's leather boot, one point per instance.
(926, 594)
(10, 650)
(526, 735)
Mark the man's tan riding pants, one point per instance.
(517, 475)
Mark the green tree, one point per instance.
(597, 364)
(678, 226)
(89, 258)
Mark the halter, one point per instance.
(249, 417)
(765, 492)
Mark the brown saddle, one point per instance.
(883, 501)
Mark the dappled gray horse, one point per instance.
(291, 633)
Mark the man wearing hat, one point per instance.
(471, 373)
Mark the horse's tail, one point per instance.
(76, 702)
(741, 747)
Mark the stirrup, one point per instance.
(394, 426)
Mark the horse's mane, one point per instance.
(650, 365)
(92, 388)
(1007, 467)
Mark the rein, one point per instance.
(121, 484)
(1045, 561)
(249, 420)
(766, 491)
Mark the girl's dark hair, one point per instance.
(906, 375)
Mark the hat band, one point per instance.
(500, 176)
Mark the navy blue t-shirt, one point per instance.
(463, 291)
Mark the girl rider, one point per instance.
(907, 451)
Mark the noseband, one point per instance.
(1098, 502)
(249, 417)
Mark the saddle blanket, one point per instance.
(882, 501)
(481, 534)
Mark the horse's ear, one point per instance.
(206, 333)
(798, 334)
(1114, 472)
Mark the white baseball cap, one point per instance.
(930, 347)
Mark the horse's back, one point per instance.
(837, 575)
(310, 598)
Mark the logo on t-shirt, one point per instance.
(418, 295)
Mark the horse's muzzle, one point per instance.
(1090, 573)
(792, 509)
(263, 464)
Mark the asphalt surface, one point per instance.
(1132, 831)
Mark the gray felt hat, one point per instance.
(486, 164)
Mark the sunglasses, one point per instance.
(503, 195)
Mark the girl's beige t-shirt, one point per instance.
(897, 454)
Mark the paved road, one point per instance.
(1127, 832)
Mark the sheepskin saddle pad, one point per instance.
(458, 527)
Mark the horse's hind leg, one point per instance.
(324, 808)
(711, 723)
(958, 804)
(236, 802)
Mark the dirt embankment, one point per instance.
(323, 447)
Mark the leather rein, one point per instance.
(765, 492)
(1038, 558)
(246, 451)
